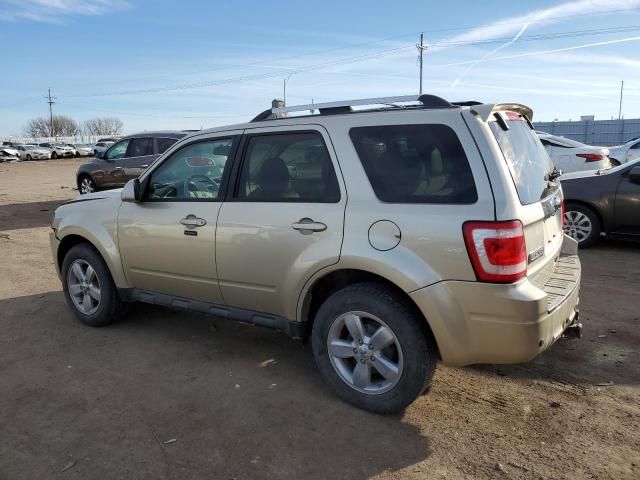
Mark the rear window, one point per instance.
(415, 164)
(526, 158)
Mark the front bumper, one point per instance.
(476, 322)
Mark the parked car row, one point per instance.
(56, 150)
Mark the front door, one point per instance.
(167, 240)
(113, 171)
(283, 221)
(627, 213)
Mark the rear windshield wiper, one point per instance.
(553, 174)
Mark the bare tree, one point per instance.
(103, 126)
(37, 127)
(63, 126)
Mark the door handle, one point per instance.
(145, 165)
(118, 168)
(191, 221)
(307, 225)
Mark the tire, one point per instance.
(412, 350)
(582, 224)
(54, 155)
(29, 158)
(614, 162)
(95, 153)
(91, 311)
(86, 185)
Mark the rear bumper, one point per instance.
(476, 322)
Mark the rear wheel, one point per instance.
(582, 224)
(372, 349)
(89, 288)
(86, 185)
(614, 162)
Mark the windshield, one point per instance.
(526, 158)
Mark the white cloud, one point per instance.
(55, 10)
(545, 16)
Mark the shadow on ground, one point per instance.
(239, 401)
(27, 215)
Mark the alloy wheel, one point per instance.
(365, 353)
(86, 185)
(577, 225)
(84, 287)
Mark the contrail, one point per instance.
(543, 52)
(488, 54)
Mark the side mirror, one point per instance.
(131, 191)
(100, 155)
(634, 175)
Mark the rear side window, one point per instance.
(415, 164)
(164, 143)
(291, 167)
(141, 147)
(526, 158)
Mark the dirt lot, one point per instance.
(247, 403)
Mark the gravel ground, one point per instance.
(172, 395)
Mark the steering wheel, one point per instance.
(202, 179)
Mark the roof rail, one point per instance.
(345, 106)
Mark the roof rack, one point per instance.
(345, 106)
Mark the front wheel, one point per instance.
(89, 288)
(54, 155)
(582, 224)
(86, 185)
(29, 157)
(372, 348)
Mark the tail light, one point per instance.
(497, 250)
(591, 157)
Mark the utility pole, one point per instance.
(51, 100)
(421, 49)
(620, 107)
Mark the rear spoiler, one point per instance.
(485, 110)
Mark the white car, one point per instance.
(12, 151)
(571, 156)
(625, 153)
(101, 147)
(81, 150)
(33, 152)
(58, 149)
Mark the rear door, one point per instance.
(283, 221)
(539, 194)
(139, 156)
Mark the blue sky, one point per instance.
(193, 64)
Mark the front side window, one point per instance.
(117, 151)
(415, 163)
(192, 173)
(141, 147)
(290, 167)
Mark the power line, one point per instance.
(351, 60)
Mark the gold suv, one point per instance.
(393, 235)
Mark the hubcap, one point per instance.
(365, 353)
(84, 287)
(577, 225)
(86, 185)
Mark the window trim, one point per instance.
(226, 172)
(233, 193)
(446, 204)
